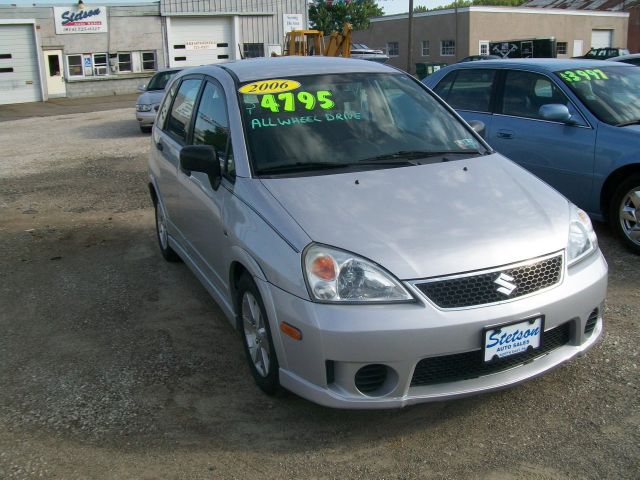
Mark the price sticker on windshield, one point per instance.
(276, 85)
(572, 76)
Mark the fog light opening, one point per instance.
(591, 322)
(375, 380)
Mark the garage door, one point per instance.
(19, 73)
(199, 41)
(601, 38)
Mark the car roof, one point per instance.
(260, 68)
(542, 64)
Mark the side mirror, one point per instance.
(156, 108)
(142, 87)
(556, 112)
(202, 158)
(478, 127)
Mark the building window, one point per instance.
(484, 47)
(393, 49)
(100, 67)
(561, 48)
(447, 48)
(252, 50)
(75, 65)
(148, 60)
(124, 62)
(425, 48)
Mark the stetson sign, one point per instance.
(74, 20)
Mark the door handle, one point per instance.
(505, 133)
(159, 146)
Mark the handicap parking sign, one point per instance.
(87, 61)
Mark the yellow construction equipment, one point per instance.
(311, 42)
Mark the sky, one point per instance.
(390, 7)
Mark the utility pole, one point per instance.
(456, 39)
(409, 42)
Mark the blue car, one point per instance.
(573, 123)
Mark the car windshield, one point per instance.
(160, 80)
(357, 121)
(611, 93)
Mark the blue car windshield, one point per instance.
(611, 93)
(319, 122)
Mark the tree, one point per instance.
(420, 9)
(330, 15)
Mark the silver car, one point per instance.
(368, 245)
(148, 103)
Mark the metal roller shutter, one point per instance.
(601, 38)
(19, 72)
(197, 41)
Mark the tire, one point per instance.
(162, 234)
(255, 332)
(145, 128)
(624, 212)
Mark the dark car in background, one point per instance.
(475, 58)
(573, 123)
(604, 53)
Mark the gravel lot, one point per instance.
(116, 364)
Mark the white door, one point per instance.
(601, 38)
(55, 77)
(19, 71)
(197, 41)
(577, 48)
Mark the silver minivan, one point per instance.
(368, 245)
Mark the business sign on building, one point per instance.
(292, 21)
(74, 20)
(200, 45)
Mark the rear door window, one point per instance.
(468, 90)
(180, 116)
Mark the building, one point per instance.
(209, 31)
(80, 49)
(73, 51)
(630, 6)
(446, 36)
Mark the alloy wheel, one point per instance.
(255, 333)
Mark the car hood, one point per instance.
(431, 220)
(151, 97)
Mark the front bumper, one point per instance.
(338, 340)
(146, 118)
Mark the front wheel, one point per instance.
(256, 336)
(162, 234)
(624, 213)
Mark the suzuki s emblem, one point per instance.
(504, 282)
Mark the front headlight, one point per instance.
(143, 107)
(582, 238)
(337, 276)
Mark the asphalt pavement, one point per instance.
(64, 106)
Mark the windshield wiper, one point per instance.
(416, 154)
(301, 167)
(631, 122)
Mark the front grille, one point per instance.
(481, 289)
(464, 366)
(591, 322)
